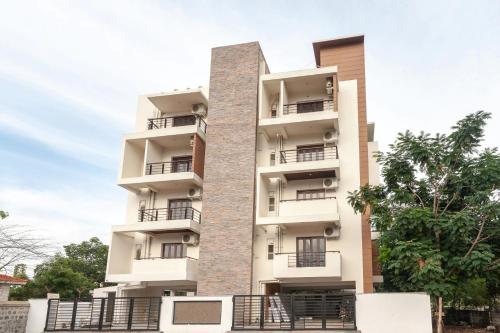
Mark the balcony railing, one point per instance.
(164, 122)
(294, 312)
(167, 214)
(306, 259)
(158, 168)
(104, 314)
(309, 154)
(308, 106)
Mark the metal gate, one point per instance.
(104, 314)
(294, 312)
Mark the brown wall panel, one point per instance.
(198, 156)
(350, 60)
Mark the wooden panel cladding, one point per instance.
(198, 156)
(197, 312)
(348, 55)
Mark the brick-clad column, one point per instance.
(225, 264)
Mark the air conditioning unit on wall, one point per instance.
(330, 183)
(330, 137)
(190, 239)
(332, 232)
(199, 110)
(194, 193)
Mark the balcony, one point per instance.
(153, 269)
(160, 168)
(169, 214)
(299, 101)
(322, 210)
(303, 107)
(308, 266)
(304, 162)
(179, 121)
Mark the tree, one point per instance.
(437, 210)
(17, 243)
(73, 274)
(89, 258)
(20, 271)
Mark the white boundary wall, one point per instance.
(37, 315)
(393, 313)
(166, 316)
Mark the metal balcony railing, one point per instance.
(164, 122)
(309, 154)
(294, 312)
(158, 168)
(104, 314)
(306, 259)
(308, 106)
(166, 214)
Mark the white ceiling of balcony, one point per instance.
(177, 102)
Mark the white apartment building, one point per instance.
(241, 188)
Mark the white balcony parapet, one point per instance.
(159, 269)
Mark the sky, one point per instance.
(70, 73)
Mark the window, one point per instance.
(311, 106)
(311, 194)
(311, 252)
(184, 121)
(182, 163)
(272, 158)
(310, 153)
(138, 251)
(270, 249)
(272, 202)
(173, 250)
(180, 209)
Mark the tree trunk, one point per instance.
(439, 322)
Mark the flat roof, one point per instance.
(318, 45)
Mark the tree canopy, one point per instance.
(75, 273)
(437, 210)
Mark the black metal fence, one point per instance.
(165, 214)
(309, 154)
(474, 318)
(294, 312)
(164, 122)
(159, 168)
(308, 106)
(104, 314)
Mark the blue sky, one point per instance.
(70, 73)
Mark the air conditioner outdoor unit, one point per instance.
(199, 109)
(190, 239)
(194, 193)
(330, 183)
(332, 232)
(330, 137)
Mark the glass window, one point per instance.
(174, 250)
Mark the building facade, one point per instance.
(242, 188)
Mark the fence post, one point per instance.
(101, 313)
(48, 312)
(323, 311)
(292, 317)
(130, 314)
(73, 314)
(262, 311)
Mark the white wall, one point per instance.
(167, 316)
(393, 313)
(37, 315)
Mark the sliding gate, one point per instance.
(294, 312)
(104, 314)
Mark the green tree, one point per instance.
(89, 258)
(80, 269)
(437, 210)
(20, 271)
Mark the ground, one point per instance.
(454, 329)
